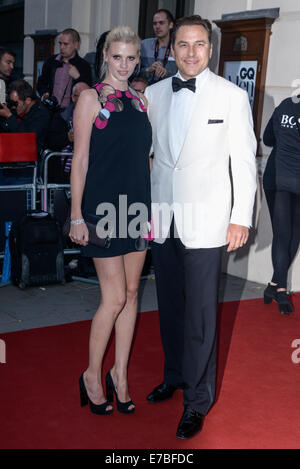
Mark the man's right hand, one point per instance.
(45, 96)
(4, 111)
(71, 136)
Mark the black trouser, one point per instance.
(187, 287)
(284, 210)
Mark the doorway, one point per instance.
(12, 31)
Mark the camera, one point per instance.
(12, 105)
(51, 103)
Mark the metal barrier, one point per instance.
(30, 187)
(45, 186)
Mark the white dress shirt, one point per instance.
(181, 110)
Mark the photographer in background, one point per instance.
(62, 71)
(23, 113)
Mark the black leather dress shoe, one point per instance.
(190, 424)
(161, 393)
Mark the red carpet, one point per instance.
(258, 387)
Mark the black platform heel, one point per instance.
(122, 407)
(99, 409)
(284, 304)
(270, 294)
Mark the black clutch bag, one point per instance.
(91, 224)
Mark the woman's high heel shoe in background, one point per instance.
(281, 298)
(122, 407)
(270, 294)
(284, 304)
(99, 409)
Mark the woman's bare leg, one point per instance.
(125, 323)
(111, 276)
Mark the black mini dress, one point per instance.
(117, 187)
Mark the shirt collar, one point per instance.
(199, 78)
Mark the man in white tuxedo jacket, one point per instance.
(202, 125)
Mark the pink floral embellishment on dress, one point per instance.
(137, 100)
(111, 103)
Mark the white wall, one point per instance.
(89, 17)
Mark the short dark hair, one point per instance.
(5, 50)
(140, 78)
(169, 15)
(73, 33)
(194, 20)
(23, 88)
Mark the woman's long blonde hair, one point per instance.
(119, 34)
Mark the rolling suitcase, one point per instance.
(36, 248)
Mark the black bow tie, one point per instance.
(178, 84)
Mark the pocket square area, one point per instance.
(215, 121)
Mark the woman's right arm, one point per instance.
(84, 116)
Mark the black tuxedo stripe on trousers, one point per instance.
(187, 283)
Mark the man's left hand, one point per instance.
(4, 111)
(237, 237)
(160, 71)
(73, 72)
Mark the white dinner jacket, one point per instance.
(196, 184)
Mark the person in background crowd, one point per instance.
(25, 114)
(157, 61)
(95, 59)
(139, 84)
(111, 157)
(281, 183)
(62, 71)
(67, 115)
(7, 63)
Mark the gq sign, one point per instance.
(242, 74)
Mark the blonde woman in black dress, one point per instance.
(112, 144)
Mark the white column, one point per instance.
(81, 21)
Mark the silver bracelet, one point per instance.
(77, 222)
